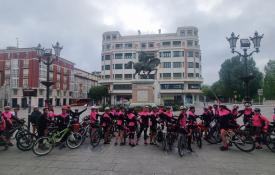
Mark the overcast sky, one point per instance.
(78, 25)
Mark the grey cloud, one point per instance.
(78, 25)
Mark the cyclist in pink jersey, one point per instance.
(2, 129)
(7, 116)
(153, 125)
(120, 121)
(144, 123)
(260, 124)
(106, 122)
(132, 125)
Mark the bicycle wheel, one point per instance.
(198, 139)
(182, 145)
(25, 142)
(270, 142)
(95, 138)
(42, 146)
(74, 140)
(244, 142)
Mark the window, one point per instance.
(182, 32)
(134, 55)
(14, 82)
(165, 54)
(128, 55)
(127, 66)
(190, 54)
(197, 75)
(194, 86)
(166, 64)
(108, 46)
(189, 32)
(190, 65)
(166, 44)
(177, 64)
(176, 43)
(107, 67)
(196, 43)
(197, 65)
(14, 91)
(196, 33)
(118, 76)
(172, 86)
(102, 67)
(190, 75)
(107, 57)
(197, 54)
(41, 92)
(177, 75)
(114, 37)
(166, 75)
(128, 76)
(118, 46)
(122, 86)
(118, 66)
(178, 53)
(102, 58)
(108, 37)
(190, 43)
(128, 45)
(143, 45)
(107, 76)
(151, 45)
(118, 56)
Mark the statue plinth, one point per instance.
(143, 91)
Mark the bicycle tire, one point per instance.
(46, 144)
(25, 142)
(182, 145)
(74, 140)
(270, 142)
(95, 138)
(244, 140)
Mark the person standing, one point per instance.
(106, 125)
(144, 123)
(42, 123)
(34, 118)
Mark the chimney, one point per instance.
(139, 32)
(159, 31)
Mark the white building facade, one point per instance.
(178, 77)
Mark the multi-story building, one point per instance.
(178, 76)
(21, 68)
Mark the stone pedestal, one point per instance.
(143, 91)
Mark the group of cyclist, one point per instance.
(119, 121)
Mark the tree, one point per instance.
(207, 92)
(98, 92)
(231, 73)
(269, 80)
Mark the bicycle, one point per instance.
(44, 145)
(241, 140)
(96, 135)
(197, 136)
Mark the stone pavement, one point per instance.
(140, 160)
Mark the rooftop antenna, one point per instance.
(17, 42)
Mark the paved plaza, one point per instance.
(147, 160)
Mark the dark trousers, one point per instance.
(143, 129)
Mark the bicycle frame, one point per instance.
(57, 137)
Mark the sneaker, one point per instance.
(151, 143)
(223, 148)
(116, 144)
(145, 143)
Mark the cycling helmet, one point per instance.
(257, 110)
(107, 109)
(191, 107)
(183, 108)
(247, 104)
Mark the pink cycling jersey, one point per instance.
(258, 119)
(182, 120)
(131, 117)
(7, 116)
(93, 115)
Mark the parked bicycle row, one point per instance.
(158, 126)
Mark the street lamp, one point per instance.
(47, 54)
(245, 45)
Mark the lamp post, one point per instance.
(50, 58)
(245, 45)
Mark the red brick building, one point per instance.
(20, 68)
